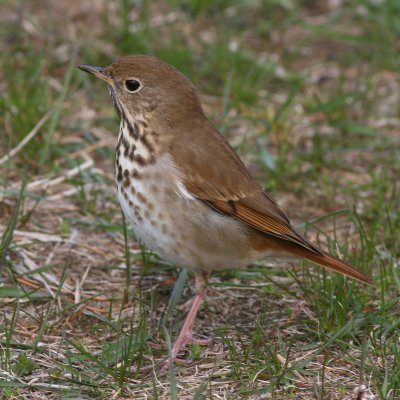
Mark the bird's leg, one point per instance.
(186, 336)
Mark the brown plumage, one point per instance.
(227, 186)
(185, 191)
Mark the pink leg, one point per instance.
(185, 336)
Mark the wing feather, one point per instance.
(211, 171)
(225, 185)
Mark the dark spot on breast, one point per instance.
(143, 161)
(137, 213)
(141, 198)
(164, 229)
(124, 142)
(146, 143)
(146, 215)
(132, 153)
(119, 174)
(140, 160)
(133, 130)
(126, 152)
(126, 182)
(136, 174)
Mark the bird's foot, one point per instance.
(184, 339)
(180, 344)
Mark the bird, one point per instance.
(185, 191)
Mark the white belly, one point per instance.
(179, 228)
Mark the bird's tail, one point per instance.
(328, 261)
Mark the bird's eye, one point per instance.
(132, 85)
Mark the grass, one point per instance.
(309, 97)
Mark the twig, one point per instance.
(46, 182)
(26, 139)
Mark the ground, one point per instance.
(307, 92)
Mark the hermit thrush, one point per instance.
(183, 188)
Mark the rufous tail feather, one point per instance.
(328, 261)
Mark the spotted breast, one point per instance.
(164, 215)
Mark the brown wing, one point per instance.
(225, 184)
(214, 173)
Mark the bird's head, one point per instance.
(142, 86)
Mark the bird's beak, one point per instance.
(98, 72)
